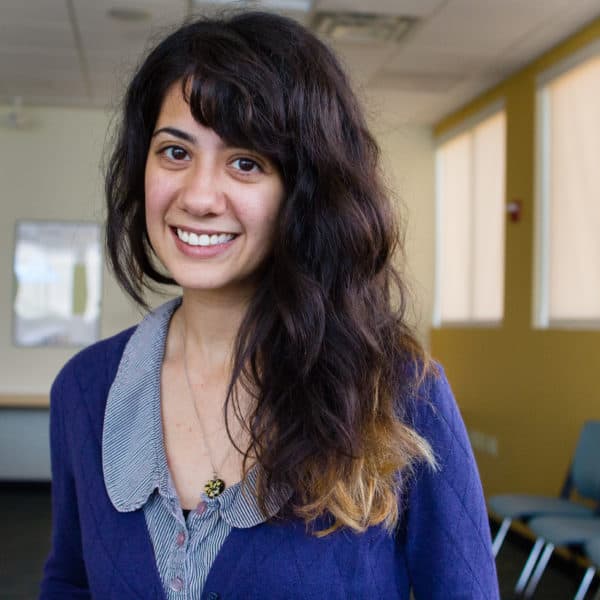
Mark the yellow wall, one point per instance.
(531, 389)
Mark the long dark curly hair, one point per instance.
(324, 348)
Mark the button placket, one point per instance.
(180, 539)
(178, 572)
(176, 584)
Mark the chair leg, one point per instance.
(585, 583)
(531, 560)
(539, 570)
(597, 596)
(500, 535)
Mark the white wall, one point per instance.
(51, 171)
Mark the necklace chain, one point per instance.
(215, 486)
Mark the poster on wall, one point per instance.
(57, 283)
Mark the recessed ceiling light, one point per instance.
(123, 13)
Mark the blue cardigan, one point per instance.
(441, 550)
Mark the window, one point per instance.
(470, 182)
(568, 194)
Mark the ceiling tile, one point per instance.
(48, 37)
(116, 46)
(430, 60)
(54, 84)
(406, 81)
(486, 28)
(361, 61)
(552, 31)
(457, 50)
(407, 8)
(91, 15)
(27, 64)
(18, 12)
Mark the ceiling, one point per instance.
(71, 53)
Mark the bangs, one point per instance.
(245, 111)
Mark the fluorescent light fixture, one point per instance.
(361, 27)
(279, 5)
(123, 13)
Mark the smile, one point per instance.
(193, 239)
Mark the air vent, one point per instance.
(361, 27)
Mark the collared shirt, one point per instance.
(137, 475)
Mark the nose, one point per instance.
(202, 192)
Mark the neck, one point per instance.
(209, 322)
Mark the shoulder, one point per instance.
(94, 367)
(446, 528)
(78, 397)
(86, 378)
(446, 531)
(434, 414)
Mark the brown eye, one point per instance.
(246, 165)
(175, 153)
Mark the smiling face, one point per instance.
(211, 208)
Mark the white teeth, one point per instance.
(193, 239)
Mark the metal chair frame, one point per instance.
(542, 549)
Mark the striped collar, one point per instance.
(133, 455)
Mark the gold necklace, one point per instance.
(213, 487)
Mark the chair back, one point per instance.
(586, 463)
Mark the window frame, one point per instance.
(540, 317)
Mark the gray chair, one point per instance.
(583, 476)
(592, 550)
(552, 532)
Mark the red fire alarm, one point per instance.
(514, 209)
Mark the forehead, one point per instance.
(174, 105)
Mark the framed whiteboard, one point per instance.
(57, 283)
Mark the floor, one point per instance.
(25, 541)
(559, 582)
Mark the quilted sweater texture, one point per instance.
(442, 549)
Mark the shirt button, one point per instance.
(213, 596)
(176, 584)
(180, 539)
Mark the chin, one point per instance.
(225, 286)
(192, 285)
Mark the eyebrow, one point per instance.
(177, 133)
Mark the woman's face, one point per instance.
(211, 209)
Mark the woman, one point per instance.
(276, 431)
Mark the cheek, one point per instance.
(269, 206)
(155, 207)
(259, 215)
(156, 194)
